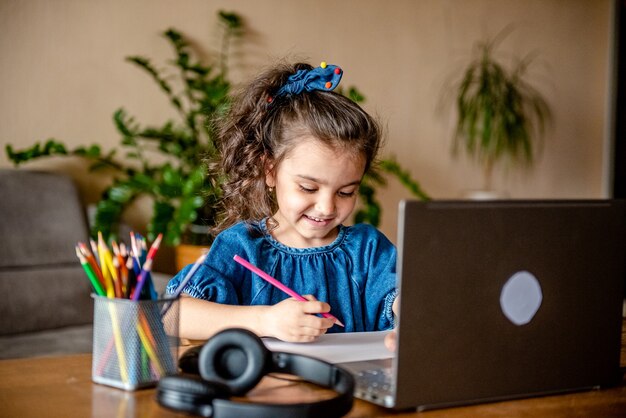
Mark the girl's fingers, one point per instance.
(307, 334)
(300, 320)
(310, 320)
(391, 341)
(313, 306)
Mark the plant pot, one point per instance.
(195, 240)
(187, 254)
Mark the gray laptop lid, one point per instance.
(507, 299)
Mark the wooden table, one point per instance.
(61, 387)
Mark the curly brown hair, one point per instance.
(260, 130)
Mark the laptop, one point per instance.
(502, 300)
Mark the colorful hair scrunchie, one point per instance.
(325, 77)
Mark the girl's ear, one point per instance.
(270, 178)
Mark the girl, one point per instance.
(293, 154)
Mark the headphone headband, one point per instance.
(309, 369)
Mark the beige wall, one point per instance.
(62, 74)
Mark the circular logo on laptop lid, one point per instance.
(521, 297)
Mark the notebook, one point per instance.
(502, 300)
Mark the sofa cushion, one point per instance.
(44, 298)
(41, 280)
(41, 219)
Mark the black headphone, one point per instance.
(232, 362)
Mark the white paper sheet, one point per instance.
(338, 348)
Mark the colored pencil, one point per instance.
(94, 249)
(92, 262)
(119, 341)
(131, 280)
(147, 266)
(107, 260)
(106, 273)
(97, 287)
(184, 282)
(279, 285)
(121, 267)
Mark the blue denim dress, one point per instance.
(355, 275)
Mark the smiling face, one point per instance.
(316, 191)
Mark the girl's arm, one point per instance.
(290, 320)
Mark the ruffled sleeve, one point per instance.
(216, 280)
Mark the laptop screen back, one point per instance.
(507, 299)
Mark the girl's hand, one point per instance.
(391, 340)
(295, 321)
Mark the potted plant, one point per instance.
(184, 193)
(370, 209)
(500, 115)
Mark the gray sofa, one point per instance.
(46, 306)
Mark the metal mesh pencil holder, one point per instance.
(135, 343)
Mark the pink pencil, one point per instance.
(279, 285)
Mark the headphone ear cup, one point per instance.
(236, 358)
(190, 394)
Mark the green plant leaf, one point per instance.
(391, 166)
(49, 148)
(121, 193)
(232, 20)
(107, 218)
(162, 215)
(195, 181)
(499, 115)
